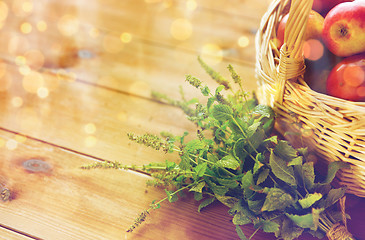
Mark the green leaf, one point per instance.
(263, 111)
(316, 215)
(194, 144)
(240, 233)
(219, 89)
(185, 161)
(262, 176)
(228, 162)
(171, 196)
(277, 199)
(332, 197)
(270, 226)
(303, 221)
(256, 205)
(200, 169)
(308, 174)
(252, 129)
(240, 219)
(198, 196)
(217, 189)
(227, 200)
(309, 200)
(239, 149)
(333, 167)
(229, 183)
(247, 180)
(205, 203)
(205, 91)
(296, 161)
(256, 140)
(289, 231)
(281, 170)
(198, 187)
(285, 151)
(222, 112)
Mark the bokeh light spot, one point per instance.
(27, 6)
(243, 41)
(34, 58)
(90, 128)
(42, 92)
(26, 27)
(42, 26)
(126, 37)
(11, 144)
(20, 138)
(17, 102)
(112, 44)
(181, 29)
(32, 82)
(191, 5)
(24, 70)
(90, 141)
(94, 32)
(313, 49)
(122, 116)
(3, 11)
(212, 53)
(68, 25)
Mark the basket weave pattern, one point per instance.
(333, 127)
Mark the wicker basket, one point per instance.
(333, 127)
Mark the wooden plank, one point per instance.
(9, 234)
(210, 30)
(60, 201)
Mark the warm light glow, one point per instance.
(313, 49)
(17, 102)
(34, 58)
(68, 25)
(122, 116)
(27, 6)
(5, 79)
(212, 53)
(140, 88)
(191, 5)
(181, 29)
(94, 32)
(41, 26)
(20, 138)
(353, 75)
(20, 60)
(90, 128)
(11, 144)
(126, 37)
(2, 142)
(112, 44)
(32, 82)
(360, 91)
(26, 28)
(152, 1)
(3, 11)
(24, 70)
(90, 141)
(243, 41)
(2, 69)
(42, 92)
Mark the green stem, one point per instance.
(254, 233)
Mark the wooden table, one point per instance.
(75, 77)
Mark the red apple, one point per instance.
(323, 6)
(344, 28)
(347, 79)
(313, 29)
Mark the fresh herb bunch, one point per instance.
(237, 160)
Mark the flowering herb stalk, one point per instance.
(237, 160)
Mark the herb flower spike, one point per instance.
(151, 140)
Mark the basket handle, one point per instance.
(291, 63)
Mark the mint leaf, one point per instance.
(228, 162)
(285, 151)
(277, 199)
(240, 233)
(262, 176)
(227, 200)
(332, 197)
(240, 219)
(296, 161)
(309, 200)
(198, 187)
(200, 169)
(171, 196)
(198, 196)
(270, 226)
(205, 203)
(333, 167)
(308, 174)
(289, 231)
(281, 170)
(303, 221)
(229, 183)
(222, 112)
